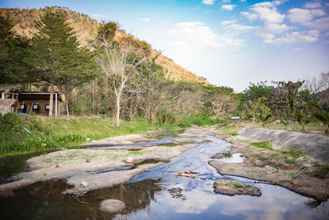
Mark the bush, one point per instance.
(199, 120)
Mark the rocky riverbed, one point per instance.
(301, 171)
(104, 163)
(147, 177)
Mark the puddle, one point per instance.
(161, 194)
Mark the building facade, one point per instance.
(39, 103)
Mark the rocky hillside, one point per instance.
(86, 30)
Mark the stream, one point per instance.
(161, 194)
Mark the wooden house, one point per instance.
(40, 103)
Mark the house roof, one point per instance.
(30, 96)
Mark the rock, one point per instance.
(112, 206)
(233, 187)
(129, 160)
(187, 173)
(222, 155)
(270, 169)
(259, 163)
(84, 184)
(177, 193)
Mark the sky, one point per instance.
(229, 42)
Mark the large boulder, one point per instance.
(315, 145)
(233, 187)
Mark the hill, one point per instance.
(85, 29)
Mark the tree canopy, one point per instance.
(56, 55)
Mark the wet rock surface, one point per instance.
(112, 206)
(100, 167)
(294, 170)
(150, 188)
(233, 187)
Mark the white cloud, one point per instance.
(228, 7)
(235, 26)
(321, 24)
(318, 12)
(208, 2)
(291, 37)
(195, 33)
(313, 5)
(250, 16)
(267, 12)
(304, 15)
(276, 27)
(300, 15)
(199, 35)
(279, 2)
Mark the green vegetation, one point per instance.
(121, 79)
(262, 145)
(31, 134)
(287, 103)
(22, 134)
(135, 153)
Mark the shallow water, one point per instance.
(160, 194)
(11, 165)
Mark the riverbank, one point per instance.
(21, 134)
(150, 174)
(294, 167)
(105, 163)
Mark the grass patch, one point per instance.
(228, 129)
(23, 134)
(20, 134)
(237, 185)
(199, 120)
(263, 145)
(135, 153)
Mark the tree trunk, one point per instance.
(117, 109)
(67, 109)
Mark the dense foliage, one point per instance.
(301, 102)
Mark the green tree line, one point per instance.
(119, 79)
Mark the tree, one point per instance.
(117, 63)
(260, 110)
(12, 51)
(58, 57)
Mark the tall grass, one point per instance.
(22, 134)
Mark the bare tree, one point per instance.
(318, 84)
(118, 65)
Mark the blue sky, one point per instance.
(230, 42)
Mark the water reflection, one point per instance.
(45, 201)
(276, 203)
(160, 194)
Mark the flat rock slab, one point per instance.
(91, 169)
(112, 206)
(233, 187)
(315, 145)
